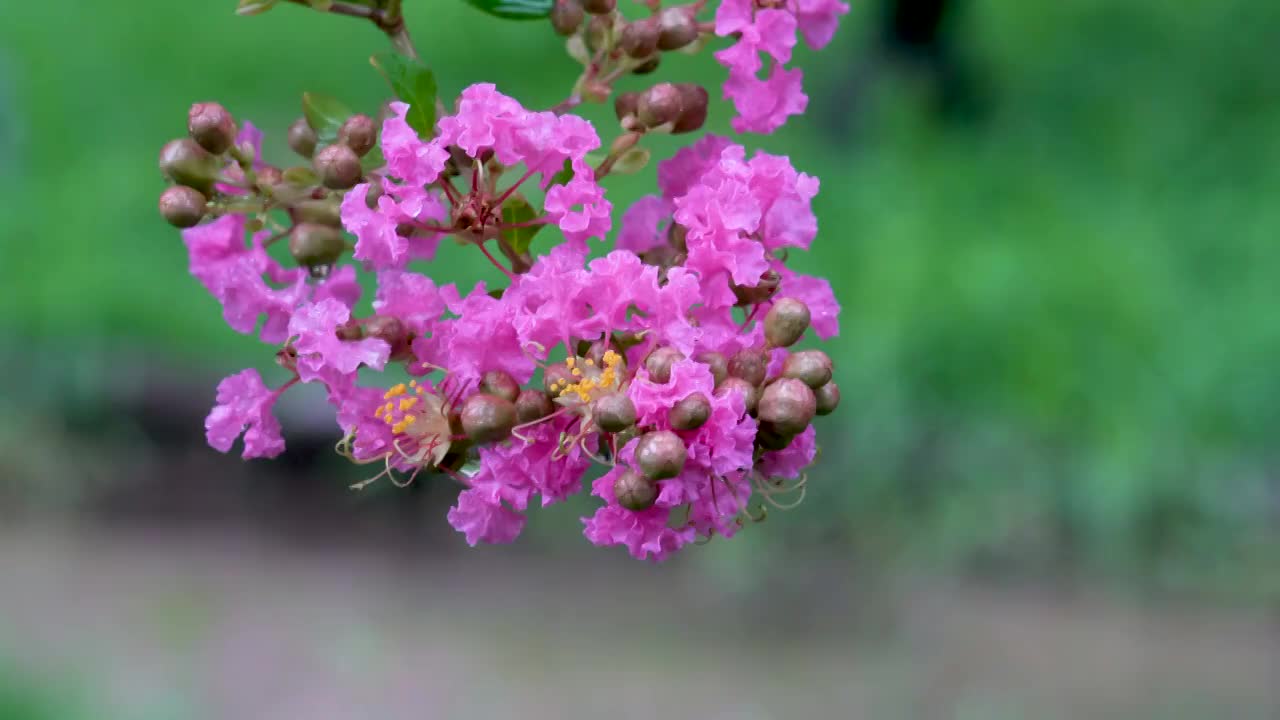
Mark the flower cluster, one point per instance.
(667, 360)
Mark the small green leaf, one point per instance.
(325, 114)
(514, 9)
(414, 83)
(518, 210)
(254, 7)
(300, 176)
(632, 161)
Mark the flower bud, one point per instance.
(186, 163)
(487, 418)
(659, 363)
(302, 139)
(349, 331)
(359, 133)
(660, 454)
(640, 38)
(269, 176)
(324, 212)
(501, 384)
(788, 405)
(751, 364)
(750, 393)
(599, 30)
(659, 105)
(393, 332)
(634, 491)
(625, 105)
(556, 377)
(812, 367)
(677, 28)
(614, 412)
(760, 292)
(212, 127)
(768, 438)
(785, 322)
(338, 167)
(566, 16)
(599, 7)
(691, 413)
(718, 363)
(375, 192)
(312, 244)
(533, 405)
(693, 114)
(828, 398)
(678, 237)
(647, 66)
(182, 206)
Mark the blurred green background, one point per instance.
(1059, 340)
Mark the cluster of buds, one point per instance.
(671, 360)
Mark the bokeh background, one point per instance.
(1053, 489)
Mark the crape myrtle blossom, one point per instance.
(662, 373)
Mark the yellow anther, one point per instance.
(408, 403)
(413, 383)
(611, 358)
(569, 361)
(576, 372)
(396, 391)
(421, 390)
(590, 362)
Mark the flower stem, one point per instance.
(389, 20)
(494, 260)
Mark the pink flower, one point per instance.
(341, 285)
(764, 105)
(321, 352)
(480, 339)
(579, 207)
(245, 297)
(411, 297)
(484, 521)
(378, 240)
(244, 406)
(815, 292)
(409, 159)
(789, 462)
(818, 20)
(644, 225)
(645, 534)
(684, 169)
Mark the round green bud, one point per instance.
(312, 244)
(718, 363)
(501, 384)
(691, 413)
(785, 322)
(338, 167)
(487, 418)
(599, 7)
(750, 393)
(676, 28)
(750, 364)
(614, 412)
(634, 491)
(211, 126)
(693, 112)
(659, 363)
(768, 438)
(788, 405)
(393, 332)
(828, 398)
(302, 139)
(812, 367)
(659, 105)
(660, 454)
(182, 206)
(533, 405)
(640, 38)
(186, 163)
(359, 133)
(323, 212)
(566, 17)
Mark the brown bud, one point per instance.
(393, 332)
(691, 413)
(789, 405)
(785, 322)
(375, 192)
(614, 412)
(553, 376)
(678, 237)
(828, 398)
(750, 393)
(338, 167)
(659, 363)
(211, 126)
(359, 133)
(501, 384)
(812, 367)
(186, 163)
(640, 38)
(312, 244)
(761, 292)
(302, 139)
(182, 206)
(349, 331)
(634, 491)
(768, 437)
(269, 176)
(647, 66)
(659, 105)
(324, 212)
(677, 28)
(718, 363)
(625, 105)
(487, 418)
(751, 364)
(566, 17)
(533, 405)
(693, 115)
(660, 454)
(599, 7)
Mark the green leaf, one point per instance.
(254, 7)
(414, 83)
(325, 114)
(632, 161)
(514, 9)
(518, 210)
